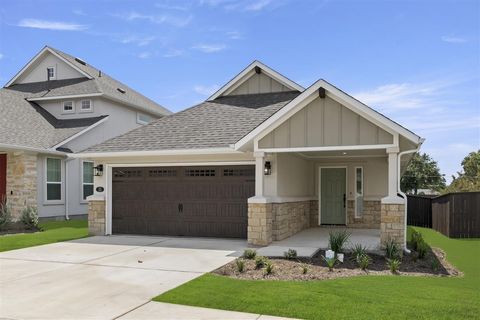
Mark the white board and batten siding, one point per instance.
(325, 122)
(259, 83)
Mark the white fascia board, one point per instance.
(329, 148)
(78, 134)
(32, 61)
(246, 73)
(183, 164)
(73, 96)
(12, 147)
(172, 152)
(307, 96)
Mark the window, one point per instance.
(51, 73)
(86, 106)
(87, 179)
(143, 118)
(68, 107)
(358, 191)
(54, 179)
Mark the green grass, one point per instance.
(53, 231)
(366, 297)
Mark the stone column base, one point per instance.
(259, 223)
(392, 223)
(96, 217)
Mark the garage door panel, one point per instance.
(189, 201)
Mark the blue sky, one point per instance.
(417, 62)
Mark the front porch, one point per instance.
(309, 241)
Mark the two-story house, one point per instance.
(54, 106)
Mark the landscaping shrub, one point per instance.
(337, 240)
(290, 254)
(268, 267)
(260, 261)
(358, 252)
(331, 262)
(392, 250)
(417, 237)
(30, 217)
(5, 215)
(240, 265)
(422, 248)
(393, 265)
(435, 264)
(249, 254)
(363, 261)
(304, 267)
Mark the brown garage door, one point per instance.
(182, 201)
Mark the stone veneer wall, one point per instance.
(370, 218)
(96, 217)
(314, 213)
(392, 224)
(21, 182)
(289, 218)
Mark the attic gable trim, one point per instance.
(79, 133)
(86, 95)
(248, 72)
(303, 99)
(37, 56)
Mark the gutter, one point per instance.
(119, 154)
(67, 217)
(399, 191)
(31, 149)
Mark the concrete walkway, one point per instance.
(106, 277)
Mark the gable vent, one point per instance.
(121, 90)
(80, 61)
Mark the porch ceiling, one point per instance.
(344, 154)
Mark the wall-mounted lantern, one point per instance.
(268, 168)
(98, 170)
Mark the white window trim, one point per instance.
(139, 121)
(68, 111)
(54, 72)
(85, 110)
(61, 183)
(82, 183)
(355, 191)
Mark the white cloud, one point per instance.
(234, 35)
(176, 21)
(171, 53)
(167, 6)
(453, 39)
(206, 90)
(209, 48)
(145, 55)
(1, 56)
(79, 12)
(51, 25)
(257, 5)
(138, 40)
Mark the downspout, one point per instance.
(399, 191)
(67, 217)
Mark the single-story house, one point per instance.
(55, 106)
(263, 158)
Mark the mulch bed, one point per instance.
(17, 227)
(317, 270)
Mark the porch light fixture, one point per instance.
(98, 170)
(268, 168)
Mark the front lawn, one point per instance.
(364, 297)
(53, 231)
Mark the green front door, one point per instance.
(332, 195)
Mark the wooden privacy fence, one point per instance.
(456, 215)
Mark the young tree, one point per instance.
(469, 179)
(422, 173)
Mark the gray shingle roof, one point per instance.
(211, 124)
(108, 86)
(26, 124)
(56, 88)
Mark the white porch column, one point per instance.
(392, 196)
(259, 174)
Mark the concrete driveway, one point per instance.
(103, 277)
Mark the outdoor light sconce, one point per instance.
(98, 170)
(268, 168)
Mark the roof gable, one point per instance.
(337, 95)
(257, 78)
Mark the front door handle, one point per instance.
(344, 199)
(180, 207)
